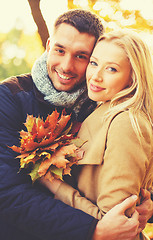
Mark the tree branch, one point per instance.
(39, 20)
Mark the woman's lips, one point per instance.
(95, 88)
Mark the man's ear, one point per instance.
(48, 45)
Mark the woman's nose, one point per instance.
(97, 75)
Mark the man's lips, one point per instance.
(95, 88)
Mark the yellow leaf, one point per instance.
(34, 173)
(57, 171)
(30, 158)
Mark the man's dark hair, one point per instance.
(84, 21)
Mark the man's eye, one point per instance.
(81, 57)
(93, 63)
(59, 50)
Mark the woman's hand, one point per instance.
(52, 186)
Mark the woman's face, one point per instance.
(108, 71)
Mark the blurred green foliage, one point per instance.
(11, 55)
(18, 52)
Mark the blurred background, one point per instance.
(25, 26)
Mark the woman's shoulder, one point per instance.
(125, 122)
(126, 117)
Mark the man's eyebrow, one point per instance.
(84, 53)
(78, 52)
(59, 45)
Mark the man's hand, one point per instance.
(145, 210)
(115, 225)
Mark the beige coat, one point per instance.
(115, 164)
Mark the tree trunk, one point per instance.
(39, 20)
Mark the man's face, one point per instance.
(68, 55)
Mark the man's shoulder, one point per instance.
(19, 83)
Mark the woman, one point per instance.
(118, 155)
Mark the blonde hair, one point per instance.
(139, 95)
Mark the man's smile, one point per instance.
(64, 78)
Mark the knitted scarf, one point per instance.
(71, 100)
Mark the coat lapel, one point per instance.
(95, 133)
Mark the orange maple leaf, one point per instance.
(41, 133)
(49, 176)
(67, 170)
(57, 159)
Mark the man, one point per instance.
(28, 211)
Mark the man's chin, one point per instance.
(63, 88)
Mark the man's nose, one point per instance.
(67, 64)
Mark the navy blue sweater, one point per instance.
(29, 212)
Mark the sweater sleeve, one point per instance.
(73, 198)
(23, 205)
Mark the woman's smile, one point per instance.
(95, 88)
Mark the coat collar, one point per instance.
(94, 131)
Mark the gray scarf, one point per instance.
(72, 100)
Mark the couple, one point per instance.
(30, 212)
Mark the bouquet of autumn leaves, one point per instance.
(48, 147)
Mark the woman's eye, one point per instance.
(93, 63)
(111, 69)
